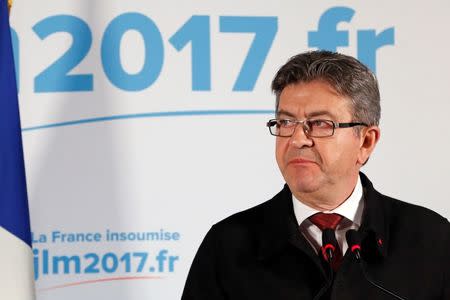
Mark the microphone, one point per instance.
(329, 244)
(354, 244)
(328, 249)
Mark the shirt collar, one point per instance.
(351, 209)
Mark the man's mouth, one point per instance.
(300, 161)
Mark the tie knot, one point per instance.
(324, 221)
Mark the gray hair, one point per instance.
(348, 76)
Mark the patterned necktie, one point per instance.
(330, 221)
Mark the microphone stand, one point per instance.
(354, 243)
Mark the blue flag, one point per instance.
(16, 273)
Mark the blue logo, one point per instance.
(327, 37)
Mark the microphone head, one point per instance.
(329, 244)
(328, 237)
(353, 241)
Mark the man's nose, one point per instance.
(299, 138)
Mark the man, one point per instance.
(326, 127)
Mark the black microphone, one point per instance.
(354, 244)
(328, 249)
(329, 244)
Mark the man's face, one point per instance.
(316, 165)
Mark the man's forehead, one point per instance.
(312, 99)
(314, 85)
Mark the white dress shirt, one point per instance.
(351, 209)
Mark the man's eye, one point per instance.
(285, 123)
(319, 123)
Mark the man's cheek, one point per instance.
(280, 154)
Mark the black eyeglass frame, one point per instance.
(272, 122)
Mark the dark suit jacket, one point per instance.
(260, 254)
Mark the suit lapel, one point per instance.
(280, 230)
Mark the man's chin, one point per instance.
(304, 188)
(307, 184)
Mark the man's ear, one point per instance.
(368, 141)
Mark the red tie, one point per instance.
(331, 221)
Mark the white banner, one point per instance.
(144, 123)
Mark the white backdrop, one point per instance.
(150, 122)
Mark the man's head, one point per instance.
(345, 74)
(326, 86)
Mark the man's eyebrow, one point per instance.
(283, 112)
(319, 113)
(312, 114)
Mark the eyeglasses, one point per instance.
(312, 128)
